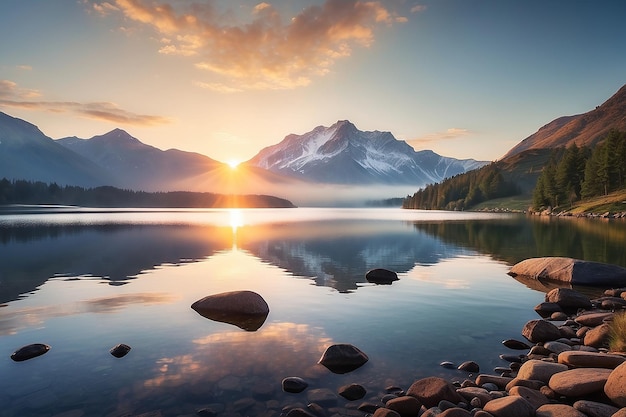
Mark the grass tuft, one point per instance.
(617, 341)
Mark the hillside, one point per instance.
(510, 182)
(585, 129)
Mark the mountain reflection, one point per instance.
(332, 252)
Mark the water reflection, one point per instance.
(333, 252)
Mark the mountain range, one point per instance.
(337, 155)
(317, 167)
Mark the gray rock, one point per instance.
(244, 309)
(573, 271)
(557, 347)
(455, 412)
(547, 309)
(343, 358)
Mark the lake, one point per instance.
(84, 280)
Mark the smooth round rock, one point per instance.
(515, 344)
(381, 276)
(29, 352)
(429, 391)
(294, 384)
(352, 392)
(558, 410)
(511, 406)
(582, 359)
(469, 366)
(120, 350)
(579, 382)
(539, 370)
(615, 387)
(343, 358)
(244, 309)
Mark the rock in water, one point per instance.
(244, 309)
(343, 358)
(29, 352)
(381, 276)
(573, 271)
(119, 351)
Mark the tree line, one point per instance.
(581, 172)
(37, 192)
(463, 191)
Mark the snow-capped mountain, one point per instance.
(342, 154)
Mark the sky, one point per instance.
(464, 78)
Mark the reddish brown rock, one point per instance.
(598, 336)
(511, 406)
(615, 387)
(534, 397)
(579, 382)
(540, 331)
(593, 319)
(582, 359)
(405, 405)
(539, 370)
(558, 410)
(429, 391)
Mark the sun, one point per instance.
(233, 163)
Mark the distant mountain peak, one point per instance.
(343, 154)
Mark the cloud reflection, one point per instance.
(15, 319)
(236, 360)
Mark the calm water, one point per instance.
(85, 281)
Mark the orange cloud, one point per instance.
(449, 134)
(266, 52)
(13, 96)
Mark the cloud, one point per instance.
(449, 134)
(266, 52)
(13, 96)
(418, 8)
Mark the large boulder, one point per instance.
(511, 406)
(582, 359)
(244, 309)
(615, 387)
(579, 382)
(539, 370)
(343, 358)
(572, 271)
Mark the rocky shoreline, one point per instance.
(562, 369)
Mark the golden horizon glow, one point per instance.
(233, 163)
